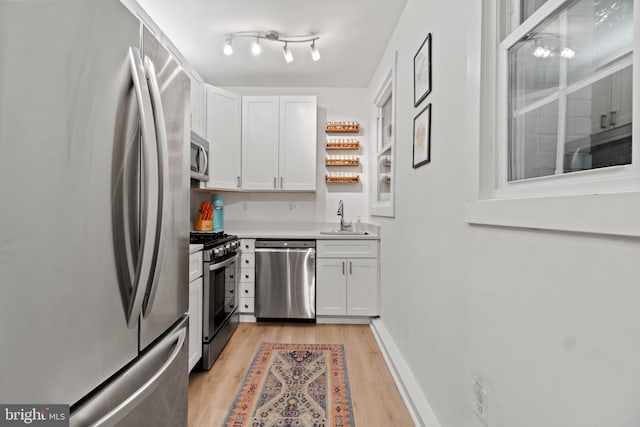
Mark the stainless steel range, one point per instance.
(221, 270)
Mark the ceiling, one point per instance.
(353, 35)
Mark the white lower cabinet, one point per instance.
(195, 322)
(346, 286)
(247, 276)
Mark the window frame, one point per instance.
(524, 203)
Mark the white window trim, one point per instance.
(602, 201)
(386, 87)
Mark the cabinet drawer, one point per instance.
(230, 275)
(247, 245)
(229, 290)
(246, 305)
(247, 275)
(347, 248)
(247, 290)
(195, 265)
(247, 260)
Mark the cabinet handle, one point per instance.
(350, 267)
(343, 268)
(275, 182)
(238, 178)
(246, 276)
(612, 118)
(603, 121)
(281, 182)
(230, 291)
(246, 306)
(246, 291)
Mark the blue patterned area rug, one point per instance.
(294, 385)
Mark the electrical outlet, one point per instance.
(480, 403)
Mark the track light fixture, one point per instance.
(274, 36)
(315, 54)
(228, 49)
(288, 56)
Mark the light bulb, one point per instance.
(315, 55)
(288, 56)
(228, 49)
(568, 53)
(255, 48)
(539, 52)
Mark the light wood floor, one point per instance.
(375, 398)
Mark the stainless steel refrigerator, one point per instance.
(94, 199)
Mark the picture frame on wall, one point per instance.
(422, 137)
(422, 71)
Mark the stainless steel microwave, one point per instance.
(199, 158)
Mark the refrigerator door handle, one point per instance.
(149, 198)
(115, 401)
(162, 183)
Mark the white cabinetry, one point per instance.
(195, 308)
(247, 276)
(612, 100)
(197, 105)
(279, 137)
(223, 130)
(347, 278)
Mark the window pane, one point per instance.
(599, 32)
(534, 72)
(530, 6)
(534, 147)
(598, 130)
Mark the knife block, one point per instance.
(203, 225)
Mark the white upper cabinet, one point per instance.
(297, 151)
(260, 133)
(197, 105)
(279, 143)
(223, 130)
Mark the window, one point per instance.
(569, 90)
(555, 117)
(382, 203)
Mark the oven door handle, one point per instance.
(224, 263)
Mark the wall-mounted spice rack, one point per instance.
(342, 161)
(342, 127)
(342, 144)
(342, 179)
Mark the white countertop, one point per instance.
(295, 230)
(193, 248)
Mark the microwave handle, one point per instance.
(206, 159)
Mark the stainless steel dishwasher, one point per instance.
(285, 280)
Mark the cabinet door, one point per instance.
(362, 287)
(224, 111)
(331, 282)
(197, 105)
(195, 322)
(260, 142)
(297, 149)
(621, 97)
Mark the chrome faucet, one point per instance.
(341, 214)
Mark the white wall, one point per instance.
(549, 322)
(334, 104)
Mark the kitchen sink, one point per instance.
(345, 232)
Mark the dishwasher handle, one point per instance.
(286, 250)
(285, 244)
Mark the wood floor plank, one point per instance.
(375, 398)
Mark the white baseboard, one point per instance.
(419, 408)
(343, 320)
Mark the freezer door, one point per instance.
(68, 125)
(167, 296)
(151, 392)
